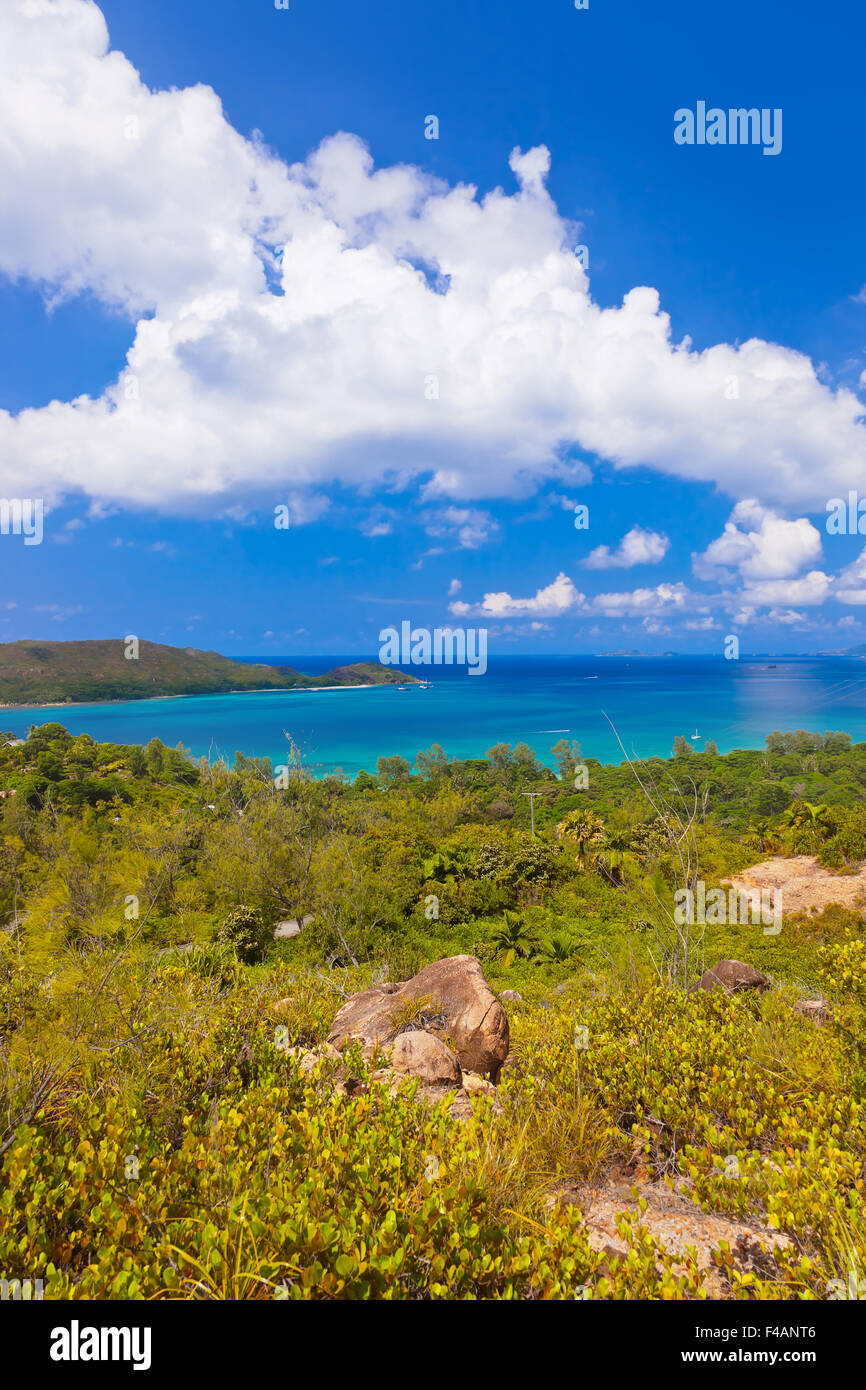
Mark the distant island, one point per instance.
(633, 651)
(58, 673)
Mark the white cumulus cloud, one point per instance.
(553, 601)
(561, 597)
(326, 321)
(810, 589)
(663, 598)
(637, 547)
(851, 582)
(760, 545)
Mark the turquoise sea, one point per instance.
(649, 700)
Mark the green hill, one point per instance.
(40, 673)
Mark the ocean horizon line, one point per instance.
(357, 657)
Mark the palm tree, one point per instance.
(815, 822)
(443, 866)
(616, 852)
(583, 829)
(514, 937)
(802, 812)
(761, 834)
(557, 948)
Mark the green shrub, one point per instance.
(247, 931)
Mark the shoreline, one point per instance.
(201, 695)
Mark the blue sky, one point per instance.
(425, 377)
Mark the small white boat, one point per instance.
(695, 734)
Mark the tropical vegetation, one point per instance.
(159, 1139)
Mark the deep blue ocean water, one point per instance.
(536, 699)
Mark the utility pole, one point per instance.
(532, 796)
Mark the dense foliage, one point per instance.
(47, 673)
(159, 1139)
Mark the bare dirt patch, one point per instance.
(681, 1227)
(806, 886)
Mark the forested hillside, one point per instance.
(45, 673)
(169, 1095)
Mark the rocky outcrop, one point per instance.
(454, 1000)
(310, 1060)
(443, 1032)
(416, 1060)
(368, 1018)
(732, 976)
(511, 996)
(816, 1010)
(475, 1085)
(426, 1057)
(293, 927)
(684, 1231)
